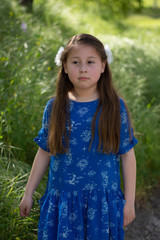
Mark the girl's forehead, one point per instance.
(83, 50)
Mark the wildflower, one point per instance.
(25, 45)
(24, 26)
(11, 14)
(3, 59)
(11, 82)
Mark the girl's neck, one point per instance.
(83, 97)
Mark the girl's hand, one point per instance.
(40, 165)
(128, 213)
(25, 206)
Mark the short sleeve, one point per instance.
(127, 138)
(42, 138)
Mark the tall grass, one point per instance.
(28, 45)
(137, 78)
(26, 76)
(13, 178)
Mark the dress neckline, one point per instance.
(85, 102)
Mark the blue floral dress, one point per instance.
(83, 199)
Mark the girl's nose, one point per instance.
(83, 68)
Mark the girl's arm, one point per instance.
(40, 165)
(129, 182)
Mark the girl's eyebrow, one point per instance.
(87, 57)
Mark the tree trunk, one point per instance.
(26, 2)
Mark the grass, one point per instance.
(27, 78)
(13, 178)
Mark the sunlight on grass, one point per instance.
(143, 22)
(149, 3)
(84, 20)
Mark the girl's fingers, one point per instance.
(127, 221)
(22, 214)
(128, 214)
(27, 212)
(23, 211)
(25, 207)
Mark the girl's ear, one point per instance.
(103, 67)
(65, 68)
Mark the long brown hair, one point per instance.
(109, 104)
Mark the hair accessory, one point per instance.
(108, 53)
(61, 49)
(58, 57)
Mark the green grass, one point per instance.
(27, 79)
(13, 178)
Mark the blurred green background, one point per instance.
(29, 40)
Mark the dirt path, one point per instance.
(147, 223)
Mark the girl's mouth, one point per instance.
(83, 78)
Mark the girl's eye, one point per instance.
(90, 62)
(75, 62)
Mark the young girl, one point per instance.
(86, 131)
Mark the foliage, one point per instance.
(26, 63)
(139, 84)
(13, 178)
(117, 7)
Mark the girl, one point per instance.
(86, 131)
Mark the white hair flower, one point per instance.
(61, 49)
(58, 57)
(108, 53)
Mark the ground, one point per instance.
(146, 226)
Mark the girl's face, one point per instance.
(84, 67)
